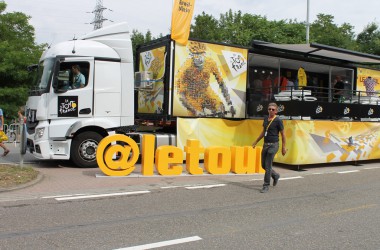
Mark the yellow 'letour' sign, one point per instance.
(168, 159)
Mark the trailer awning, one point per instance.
(321, 51)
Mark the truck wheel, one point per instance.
(83, 149)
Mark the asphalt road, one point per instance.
(322, 208)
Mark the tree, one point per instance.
(206, 27)
(324, 31)
(17, 48)
(288, 32)
(369, 39)
(14, 98)
(240, 29)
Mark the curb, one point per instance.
(39, 178)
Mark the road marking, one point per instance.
(100, 195)
(372, 168)
(317, 173)
(290, 178)
(206, 186)
(168, 187)
(163, 243)
(59, 196)
(349, 171)
(349, 210)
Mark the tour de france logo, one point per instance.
(67, 106)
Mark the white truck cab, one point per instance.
(66, 121)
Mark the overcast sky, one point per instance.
(59, 20)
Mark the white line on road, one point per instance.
(168, 187)
(59, 196)
(291, 178)
(372, 168)
(346, 172)
(163, 243)
(206, 186)
(100, 195)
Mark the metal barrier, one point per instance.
(12, 131)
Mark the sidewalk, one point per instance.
(61, 177)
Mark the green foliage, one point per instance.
(324, 31)
(206, 27)
(18, 50)
(240, 29)
(369, 39)
(11, 100)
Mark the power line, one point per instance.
(98, 11)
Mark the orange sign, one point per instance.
(181, 19)
(168, 159)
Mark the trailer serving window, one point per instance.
(281, 79)
(263, 73)
(341, 84)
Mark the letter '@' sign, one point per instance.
(117, 155)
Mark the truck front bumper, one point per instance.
(48, 149)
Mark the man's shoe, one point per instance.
(6, 152)
(265, 189)
(275, 180)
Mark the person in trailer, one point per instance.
(338, 89)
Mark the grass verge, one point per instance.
(12, 175)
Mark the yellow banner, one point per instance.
(181, 20)
(363, 74)
(209, 80)
(151, 100)
(308, 142)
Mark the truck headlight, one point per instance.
(39, 133)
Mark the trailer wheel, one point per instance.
(83, 149)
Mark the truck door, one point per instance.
(71, 95)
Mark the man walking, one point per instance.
(272, 126)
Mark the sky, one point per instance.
(60, 20)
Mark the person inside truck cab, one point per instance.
(78, 80)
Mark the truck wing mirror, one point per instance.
(59, 86)
(33, 67)
(55, 82)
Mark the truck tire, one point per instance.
(83, 149)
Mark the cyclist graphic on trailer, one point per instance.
(193, 84)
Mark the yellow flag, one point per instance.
(181, 19)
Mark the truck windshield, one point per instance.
(42, 77)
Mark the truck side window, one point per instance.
(73, 75)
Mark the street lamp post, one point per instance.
(307, 22)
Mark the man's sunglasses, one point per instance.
(271, 109)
